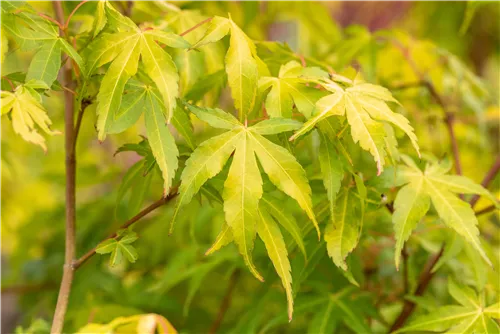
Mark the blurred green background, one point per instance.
(33, 183)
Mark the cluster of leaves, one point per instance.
(293, 147)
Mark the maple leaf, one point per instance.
(289, 88)
(123, 49)
(471, 316)
(433, 185)
(243, 186)
(342, 234)
(243, 65)
(35, 33)
(119, 246)
(364, 105)
(25, 110)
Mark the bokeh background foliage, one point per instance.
(455, 45)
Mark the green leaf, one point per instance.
(161, 69)
(100, 19)
(204, 163)
(441, 319)
(243, 185)
(132, 179)
(365, 107)
(279, 212)
(131, 108)
(218, 28)
(412, 202)
(472, 317)
(68, 49)
(46, 63)
(275, 125)
(183, 125)
(116, 256)
(162, 142)
(105, 49)
(457, 214)
(270, 233)
(410, 206)
(353, 316)
(288, 88)
(124, 49)
(242, 192)
(370, 134)
(205, 84)
(170, 39)
(463, 294)
(113, 83)
(285, 173)
(129, 237)
(215, 117)
(128, 250)
(331, 170)
(107, 246)
(326, 106)
(242, 71)
(379, 110)
(324, 320)
(223, 238)
(342, 234)
(493, 310)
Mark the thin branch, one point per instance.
(406, 281)
(69, 90)
(128, 9)
(70, 244)
(10, 83)
(152, 207)
(486, 210)
(490, 176)
(226, 302)
(51, 20)
(84, 104)
(423, 282)
(72, 13)
(196, 26)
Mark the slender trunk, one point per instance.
(68, 271)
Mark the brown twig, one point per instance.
(84, 104)
(152, 207)
(486, 210)
(69, 90)
(490, 176)
(128, 9)
(406, 281)
(10, 83)
(226, 302)
(72, 13)
(70, 245)
(423, 282)
(51, 20)
(196, 26)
